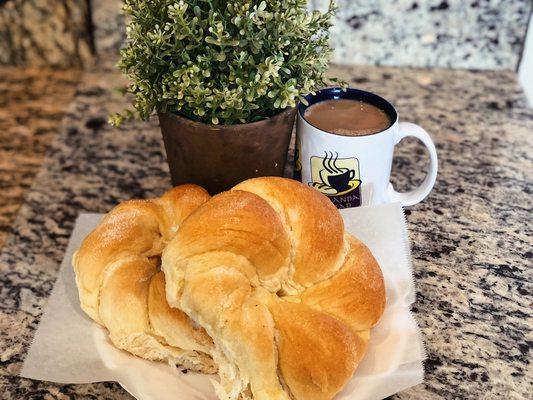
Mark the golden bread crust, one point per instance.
(120, 286)
(287, 295)
(314, 365)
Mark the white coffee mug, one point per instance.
(355, 170)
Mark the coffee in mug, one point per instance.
(347, 117)
(345, 144)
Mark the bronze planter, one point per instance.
(218, 157)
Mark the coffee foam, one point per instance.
(352, 132)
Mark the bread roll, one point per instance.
(121, 287)
(287, 296)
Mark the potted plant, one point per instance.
(224, 79)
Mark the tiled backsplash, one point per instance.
(480, 34)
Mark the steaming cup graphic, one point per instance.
(334, 176)
(341, 182)
(355, 170)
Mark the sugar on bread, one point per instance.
(287, 296)
(122, 288)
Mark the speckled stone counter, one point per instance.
(32, 104)
(481, 34)
(471, 241)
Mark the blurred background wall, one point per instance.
(478, 34)
(45, 32)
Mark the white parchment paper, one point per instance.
(69, 348)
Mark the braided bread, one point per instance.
(121, 287)
(287, 296)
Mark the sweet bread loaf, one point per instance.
(287, 296)
(122, 288)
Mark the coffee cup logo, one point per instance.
(337, 178)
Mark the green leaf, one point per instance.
(235, 62)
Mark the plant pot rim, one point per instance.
(246, 124)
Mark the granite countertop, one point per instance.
(471, 241)
(32, 105)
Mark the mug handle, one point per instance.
(417, 195)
